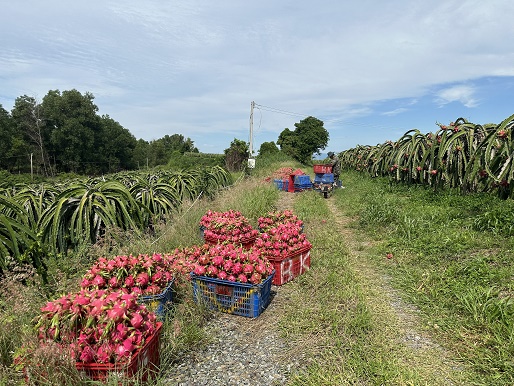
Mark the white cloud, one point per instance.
(395, 111)
(460, 93)
(194, 67)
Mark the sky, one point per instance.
(371, 70)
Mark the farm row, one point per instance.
(474, 158)
(36, 220)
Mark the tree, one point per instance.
(177, 142)
(29, 123)
(308, 138)
(142, 153)
(6, 137)
(268, 148)
(162, 149)
(236, 155)
(115, 146)
(287, 142)
(72, 124)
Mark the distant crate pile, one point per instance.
(289, 180)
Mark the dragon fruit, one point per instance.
(233, 263)
(102, 326)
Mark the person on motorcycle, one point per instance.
(336, 167)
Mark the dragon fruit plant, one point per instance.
(227, 227)
(233, 263)
(99, 326)
(273, 219)
(282, 241)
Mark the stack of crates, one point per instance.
(323, 175)
(322, 169)
(323, 178)
(302, 182)
(281, 184)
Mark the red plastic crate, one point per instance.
(290, 267)
(322, 169)
(147, 358)
(285, 184)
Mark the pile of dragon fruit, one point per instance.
(100, 326)
(281, 237)
(282, 241)
(105, 322)
(227, 227)
(141, 275)
(273, 219)
(233, 263)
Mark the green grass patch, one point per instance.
(330, 315)
(453, 259)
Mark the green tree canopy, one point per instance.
(236, 155)
(268, 148)
(115, 146)
(6, 137)
(64, 133)
(72, 123)
(308, 138)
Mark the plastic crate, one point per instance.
(146, 359)
(232, 298)
(302, 180)
(158, 303)
(302, 187)
(278, 184)
(292, 266)
(327, 178)
(285, 184)
(322, 169)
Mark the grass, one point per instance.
(452, 260)
(347, 332)
(458, 275)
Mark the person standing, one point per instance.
(336, 167)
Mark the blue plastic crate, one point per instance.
(302, 180)
(230, 297)
(327, 178)
(278, 184)
(158, 303)
(303, 186)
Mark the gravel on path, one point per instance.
(244, 351)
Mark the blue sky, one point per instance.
(371, 70)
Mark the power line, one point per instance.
(290, 113)
(284, 112)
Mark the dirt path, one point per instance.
(244, 351)
(253, 352)
(402, 325)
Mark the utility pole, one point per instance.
(251, 128)
(251, 160)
